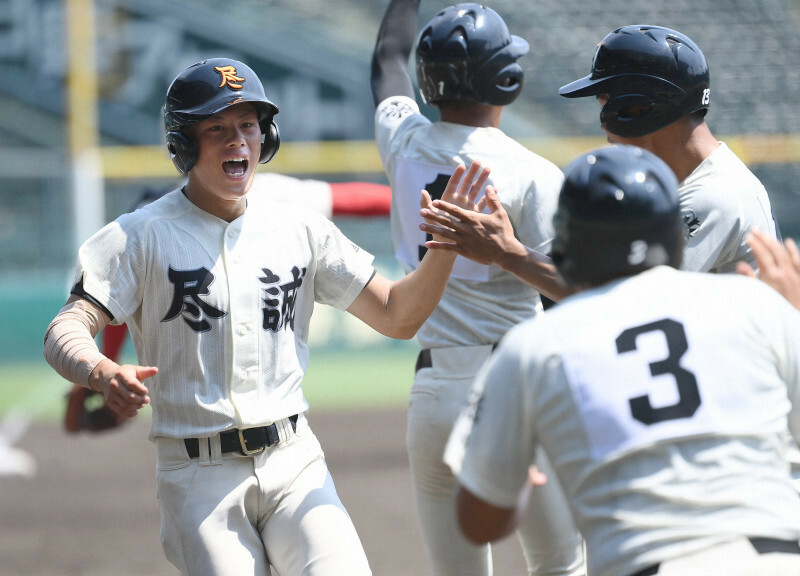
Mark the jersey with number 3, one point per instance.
(663, 402)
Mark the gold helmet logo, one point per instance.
(229, 77)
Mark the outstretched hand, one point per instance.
(463, 188)
(484, 238)
(778, 264)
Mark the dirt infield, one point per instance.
(91, 510)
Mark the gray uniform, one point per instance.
(721, 200)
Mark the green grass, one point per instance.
(336, 380)
(360, 379)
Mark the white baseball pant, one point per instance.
(235, 514)
(550, 541)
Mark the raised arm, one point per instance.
(398, 309)
(489, 239)
(393, 48)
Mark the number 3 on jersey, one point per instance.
(637, 389)
(688, 393)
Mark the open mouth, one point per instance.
(235, 167)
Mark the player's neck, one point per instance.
(471, 114)
(683, 145)
(696, 144)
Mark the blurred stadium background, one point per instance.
(83, 84)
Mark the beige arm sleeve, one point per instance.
(69, 345)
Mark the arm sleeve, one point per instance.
(69, 345)
(392, 51)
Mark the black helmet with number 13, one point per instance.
(652, 76)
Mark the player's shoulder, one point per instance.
(721, 176)
(167, 206)
(395, 109)
(514, 155)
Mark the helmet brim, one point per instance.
(618, 84)
(518, 47)
(586, 86)
(208, 109)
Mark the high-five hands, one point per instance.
(463, 188)
(484, 238)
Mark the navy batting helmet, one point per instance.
(618, 214)
(652, 75)
(467, 53)
(206, 88)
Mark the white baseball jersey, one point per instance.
(481, 302)
(663, 402)
(315, 194)
(721, 200)
(222, 309)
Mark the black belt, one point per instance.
(761, 544)
(247, 442)
(424, 359)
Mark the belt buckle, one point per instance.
(243, 446)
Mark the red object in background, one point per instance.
(360, 199)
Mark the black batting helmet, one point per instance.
(467, 53)
(652, 75)
(204, 89)
(618, 214)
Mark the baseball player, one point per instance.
(217, 287)
(663, 398)
(653, 85)
(86, 410)
(467, 70)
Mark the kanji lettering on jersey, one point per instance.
(186, 300)
(280, 299)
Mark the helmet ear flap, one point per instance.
(271, 141)
(627, 115)
(507, 86)
(182, 150)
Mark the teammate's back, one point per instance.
(663, 398)
(682, 402)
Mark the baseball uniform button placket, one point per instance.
(246, 442)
